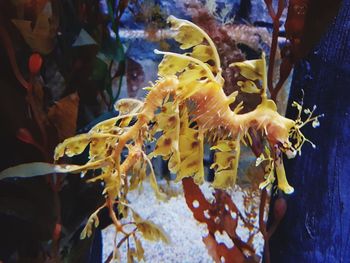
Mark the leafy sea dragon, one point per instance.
(184, 109)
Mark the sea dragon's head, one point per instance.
(286, 138)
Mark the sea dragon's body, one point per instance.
(188, 99)
(213, 115)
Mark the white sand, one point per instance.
(178, 222)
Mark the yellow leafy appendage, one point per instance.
(183, 110)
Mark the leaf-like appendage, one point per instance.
(149, 230)
(191, 151)
(192, 73)
(224, 179)
(171, 65)
(105, 173)
(251, 69)
(113, 183)
(184, 92)
(128, 106)
(223, 145)
(153, 181)
(225, 163)
(186, 34)
(203, 53)
(152, 232)
(139, 249)
(72, 146)
(223, 160)
(99, 147)
(166, 144)
(138, 174)
(281, 178)
(93, 221)
(167, 119)
(248, 86)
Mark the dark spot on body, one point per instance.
(109, 151)
(231, 144)
(194, 144)
(211, 62)
(209, 51)
(194, 163)
(76, 148)
(231, 158)
(167, 141)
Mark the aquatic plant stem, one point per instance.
(274, 42)
(262, 224)
(7, 42)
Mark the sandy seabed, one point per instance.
(177, 221)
